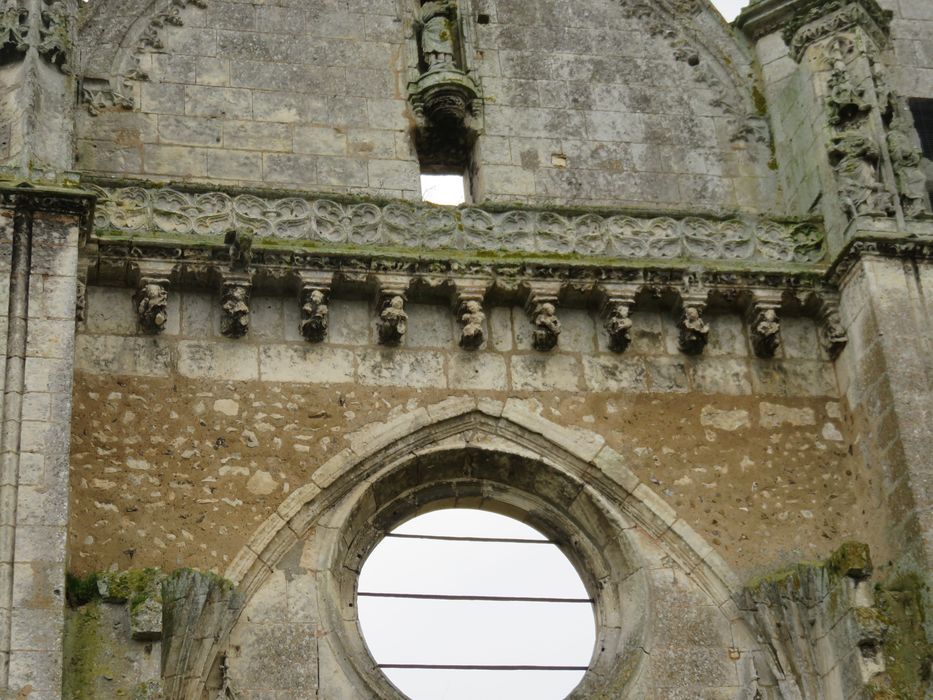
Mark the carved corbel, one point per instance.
(833, 337)
(234, 297)
(541, 307)
(151, 302)
(764, 322)
(694, 331)
(468, 306)
(393, 321)
(313, 297)
(618, 301)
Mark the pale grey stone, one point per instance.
(476, 370)
(388, 367)
(429, 326)
(306, 364)
(546, 372)
(616, 374)
(217, 360)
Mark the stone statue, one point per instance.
(846, 103)
(619, 326)
(547, 327)
(241, 249)
(151, 306)
(314, 316)
(438, 32)
(393, 322)
(911, 180)
(766, 333)
(235, 320)
(694, 331)
(855, 158)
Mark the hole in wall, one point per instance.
(443, 189)
(462, 604)
(482, 18)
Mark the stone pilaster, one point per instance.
(886, 372)
(39, 238)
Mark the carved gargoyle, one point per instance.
(547, 327)
(472, 318)
(314, 316)
(694, 331)
(235, 320)
(619, 326)
(393, 322)
(766, 332)
(151, 303)
(240, 244)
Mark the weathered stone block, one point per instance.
(421, 369)
(546, 372)
(476, 370)
(615, 374)
(306, 364)
(217, 360)
(429, 326)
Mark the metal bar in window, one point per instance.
(484, 598)
(451, 538)
(468, 667)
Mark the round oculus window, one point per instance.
(463, 604)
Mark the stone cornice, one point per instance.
(863, 245)
(57, 200)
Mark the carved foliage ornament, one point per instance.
(817, 19)
(403, 225)
(14, 31)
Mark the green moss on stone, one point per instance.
(851, 559)
(134, 586)
(85, 653)
(908, 652)
(80, 590)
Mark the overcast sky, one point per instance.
(482, 633)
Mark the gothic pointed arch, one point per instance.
(568, 483)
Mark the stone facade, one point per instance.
(682, 323)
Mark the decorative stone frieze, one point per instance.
(313, 298)
(541, 307)
(694, 331)
(234, 296)
(764, 322)
(617, 304)
(151, 303)
(398, 224)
